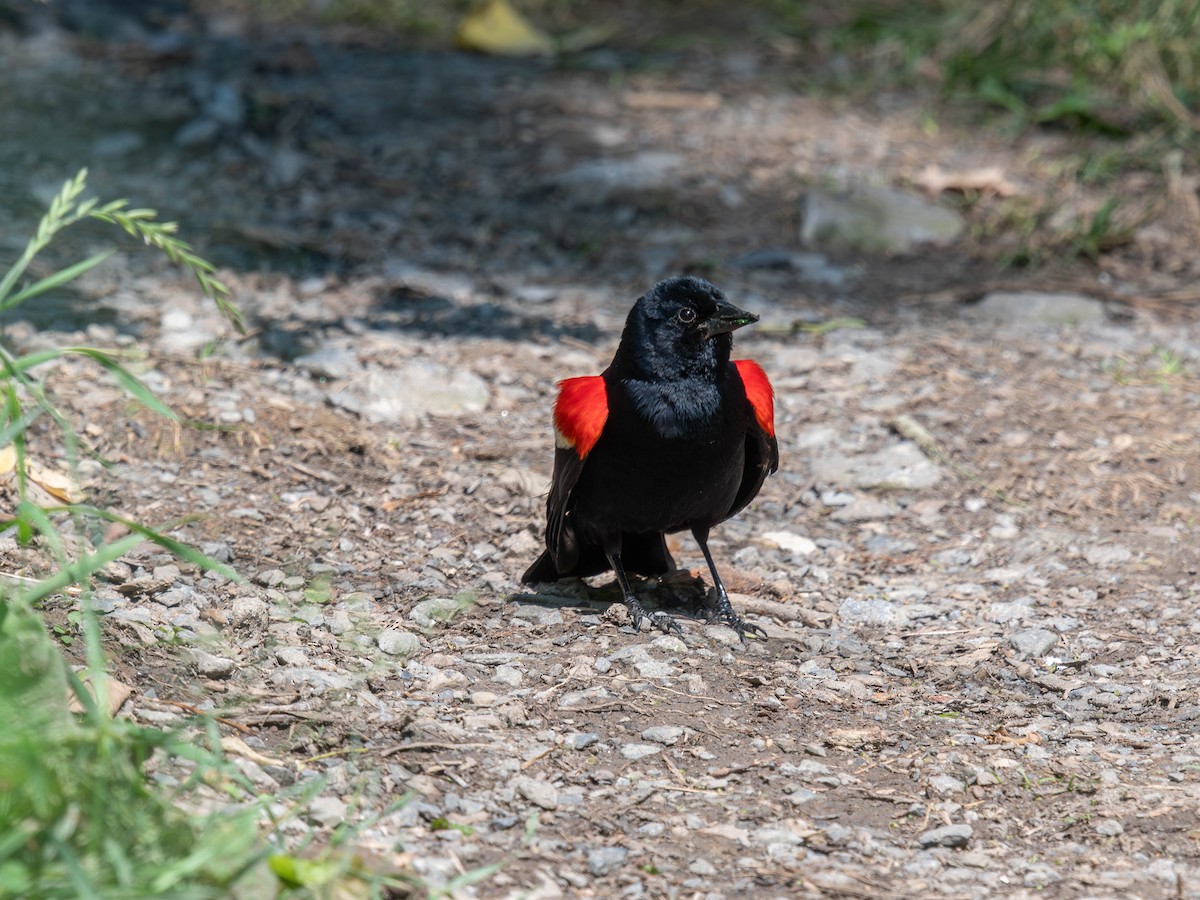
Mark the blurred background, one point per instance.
(849, 153)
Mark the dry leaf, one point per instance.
(235, 746)
(495, 27)
(8, 459)
(55, 483)
(117, 692)
(990, 180)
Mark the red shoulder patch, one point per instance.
(759, 393)
(580, 413)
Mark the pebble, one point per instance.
(211, 666)
(605, 860)
(1106, 556)
(581, 740)
(795, 544)
(327, 812)
(868, 611)
(291, 656)
(1033, 642)
(864, 510)
(539, 793)
(876, 219)
(508, 675)
(639, 751)
(415, 389)
(946, 836)
(434, 612)
(899, 466)
(946, 785)
(722, 634)
(663, 734)
(396, 642)
(1039, 308)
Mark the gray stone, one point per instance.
(509, 675)
(1107, 555)
(1038, 875)
(211, 666)
(1033, 642)
(314, 678)
(863, 509)
(339, 622)
(795, 544)
(1012, 611)
(328, 361)
(671, 643)
(722, 634)
(945, 785)
(539, 615)
(605, 860)
(396, 642)
(417, 388)
(1036, 308)
(639, 751)
(900, 466)
(327, 812)
(655, 668)
(581, 740)
(876, 219)
(1109, 828)
(539, 793)
(869, 611)
(946, 836)
(433, 612)
(663, 734)
(291, 656)
(250, 613)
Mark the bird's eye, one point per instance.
(687, 315)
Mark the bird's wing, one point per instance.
(579, 417)
(762, 450)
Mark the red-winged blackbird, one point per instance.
(672, 436)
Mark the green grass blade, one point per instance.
(79, 570)
(130, 382)
(24, 363)
(37, 519)
(70, 273)
(178, 548)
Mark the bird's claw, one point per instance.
(738, 624)
(659, 620)
(742, 627)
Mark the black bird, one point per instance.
(672, 436)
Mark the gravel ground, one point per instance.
(976, 567)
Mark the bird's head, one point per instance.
(682, 326)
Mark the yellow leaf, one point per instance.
(58, 484)
(8, 459)
(495, 27)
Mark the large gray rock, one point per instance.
(899, 466)
(404, 395)
(1036, 308)
(874, 218)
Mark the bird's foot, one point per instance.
(726, 616)
(659, 620)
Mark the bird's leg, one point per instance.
(724, 611)
(638, 612)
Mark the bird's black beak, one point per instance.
(727, 318)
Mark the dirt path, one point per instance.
(977, 566)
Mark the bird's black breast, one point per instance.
(670, 458)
